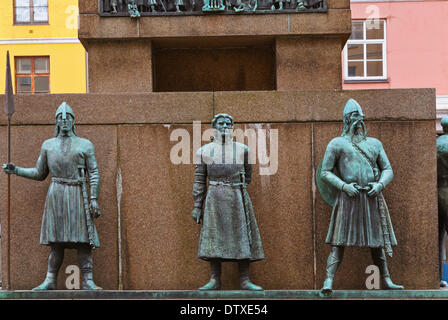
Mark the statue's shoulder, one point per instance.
(205, 148)
(241, 146)
(442, 143)
(337, 142)
(48, 143)
(443, 139)
(83, 142)
(374, 142)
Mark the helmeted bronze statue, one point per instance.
(442, 191)
(67, 220)
(229, 231)
(357, 169)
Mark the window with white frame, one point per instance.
(365, 51)
(30, 11)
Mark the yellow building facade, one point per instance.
(42, 39)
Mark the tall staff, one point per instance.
(9, 110)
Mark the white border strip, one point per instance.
(39, 41)
(441, 111)
(442, 102)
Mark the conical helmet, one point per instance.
(351, 106)
(65, 109)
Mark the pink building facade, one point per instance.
(398, 44)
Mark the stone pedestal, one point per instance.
(281, 51)
(131, 133)
(273, 72)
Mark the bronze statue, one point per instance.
(229, 231)
(213, 6)
(442, 192)
(357, 169)
(280, 4)
(67, 221)
(244, 5)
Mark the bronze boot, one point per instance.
(333, 262)
(245, 283)
(327, 287)
(379, 259)
(85, 263)
(215, 279)
(50, 282)
(87, 282)
(54, 263)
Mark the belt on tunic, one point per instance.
(70, 182)
(361, 188)
(227, 184)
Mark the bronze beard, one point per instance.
(349, 127)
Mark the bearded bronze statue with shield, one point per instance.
(351, 177)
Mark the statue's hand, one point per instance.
(9, 168)
(350, 189)
(197, 215)
(376, 189)
(95, 208)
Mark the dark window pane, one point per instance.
(374, 51)
(357, 30)
(41, 84)
(374, 29)
(355, 51)
(41, 65)
(24, 65)
(355, 69)
(374, 68)
(23, 84)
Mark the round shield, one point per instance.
(327, 191)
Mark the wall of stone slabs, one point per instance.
(158, 237)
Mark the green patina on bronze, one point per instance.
(229, 231)
(442, 192)
(356, 169)
(326, 190)
(133, 9)
(67, 218)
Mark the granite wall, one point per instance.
(158, 237)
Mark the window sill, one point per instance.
(367, 81)
(32, 24)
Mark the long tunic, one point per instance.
(229, 230)
(64, 217)
(356, 221)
